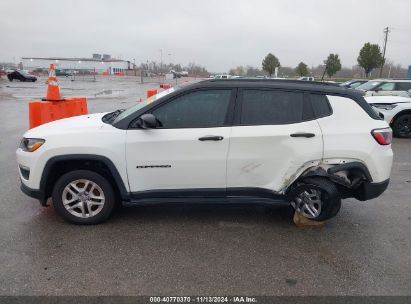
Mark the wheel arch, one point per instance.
(348, 177)
(59, 165)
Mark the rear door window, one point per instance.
(273, 107)
(403, 86)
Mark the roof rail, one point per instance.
(275, 80)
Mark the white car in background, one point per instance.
(396, 111)
(223, 76)
(306, 78)
(386, 87)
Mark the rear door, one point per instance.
(402, 87)
(274, 136)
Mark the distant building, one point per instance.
(409, 71)
(98, 63)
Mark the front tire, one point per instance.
(402, 126)
(315, 198)
(83, 197)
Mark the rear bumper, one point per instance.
(37, 194)
(369, 190)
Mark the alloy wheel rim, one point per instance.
(404, 127)
(83, 198)
(308, 203)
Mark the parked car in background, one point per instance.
(396, 111)
(21, 75)
(62, 73)
(383, 87)
(225, 141)
(354, 83)
(306, 78)
(223, 76)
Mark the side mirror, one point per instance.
(377, 90)
(147, 121)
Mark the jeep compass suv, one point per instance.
(306, 144)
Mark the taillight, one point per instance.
(382, 136)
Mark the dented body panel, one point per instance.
(266, 156)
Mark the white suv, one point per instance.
(267, 142)
(385, 87)
(396, 111)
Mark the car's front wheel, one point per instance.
(402, 126)
(317, 199)
(83, 197)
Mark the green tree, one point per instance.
(270, 62)
(370, 57)
(332, 65)
(302, 69)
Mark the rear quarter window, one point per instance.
(321, 105)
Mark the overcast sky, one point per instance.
(218, 34)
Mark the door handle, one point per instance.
(302, 134)
(211, 137)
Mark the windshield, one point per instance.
(345, 83)
(356, 85)
(368, 85)
(142, 104)
(24, 73)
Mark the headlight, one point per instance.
(31, 144)
(384, 106)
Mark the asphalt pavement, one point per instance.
(193, 250)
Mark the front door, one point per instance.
(189, 150)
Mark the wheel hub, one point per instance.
(308, 203)
(83, 198)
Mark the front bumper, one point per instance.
(37, 194)
(369, 190)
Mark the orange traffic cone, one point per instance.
(53, 90)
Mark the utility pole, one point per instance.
(161, 59)
(386, 31)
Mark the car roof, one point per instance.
(392, 80)
(286, 84)
(255, 83)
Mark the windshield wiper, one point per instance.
(110, 117)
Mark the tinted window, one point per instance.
(206, 108)
(320, 105)
(269, 107)
(403, 86)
